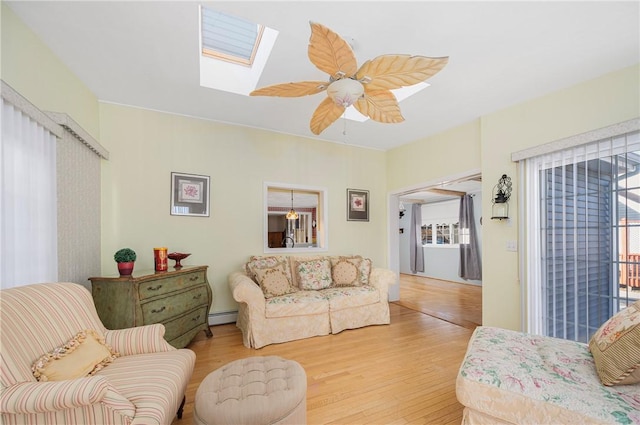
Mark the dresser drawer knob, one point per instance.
(193, 278)
(159, 310)
(195, 319)
(154, 288)
(197, 297)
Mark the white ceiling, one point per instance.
(145, 54)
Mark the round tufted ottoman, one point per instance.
(255, 390)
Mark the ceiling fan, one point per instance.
(368, 88)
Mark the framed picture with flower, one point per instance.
(189, 194)
(357, 205)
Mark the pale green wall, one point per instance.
(594, 104)
(36, 73)
(488, 143)
(449, 153)
(146, 146)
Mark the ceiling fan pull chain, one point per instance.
(344, 128)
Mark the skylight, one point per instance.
(228, 37)
(234, 51)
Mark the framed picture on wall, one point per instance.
(189, 194)
(357, 205)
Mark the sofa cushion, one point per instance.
(83, 355)
(314, 274)
(294, 261)
(154, 382)
(365, 270)
(300, 303)
(260, 262)
(345, 271)
(531, 379)
(273, 281)
(616, 347)
(350, 296)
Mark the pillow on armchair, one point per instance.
(616, 347)
(83, 355)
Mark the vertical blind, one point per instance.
(28, 230)
(576, 199)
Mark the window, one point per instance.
(440, 224)
(582, 205)
(307, 233)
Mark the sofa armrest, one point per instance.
(245, 290)
(42, 397)
(382, 279)
(139, 340)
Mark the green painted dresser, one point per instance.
(179, 299)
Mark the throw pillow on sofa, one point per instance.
(83, 355)
(345, 271)
(365, 270)
(314, 274)
(274, 281)
(616, 347)
(261, 262)
(363, 264)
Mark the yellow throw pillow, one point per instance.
(83, 355)
(616, 347)
(274, 281)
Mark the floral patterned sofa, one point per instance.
(283, 298)
(510, 377)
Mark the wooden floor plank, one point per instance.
(402, 373)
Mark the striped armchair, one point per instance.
(145, 384)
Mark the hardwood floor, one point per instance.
(403, 373)
(454, 302)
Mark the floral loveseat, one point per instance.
(510, 377)
(59, 363)
(283, 298)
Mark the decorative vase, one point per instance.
(126, 269)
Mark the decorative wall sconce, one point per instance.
(500, 199)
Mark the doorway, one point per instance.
(441, 276)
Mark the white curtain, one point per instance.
(28, 230)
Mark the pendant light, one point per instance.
(292, 215)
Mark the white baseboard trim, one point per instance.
(222, 318)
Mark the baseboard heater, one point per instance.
(222, 318)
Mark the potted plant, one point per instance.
(125, 258)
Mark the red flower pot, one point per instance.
(125, 269)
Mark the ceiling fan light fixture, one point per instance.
(345, 92)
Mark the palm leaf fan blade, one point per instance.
(381, 106)
(325, 115)
(302, 88)
(389, 72)
(330, 53)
